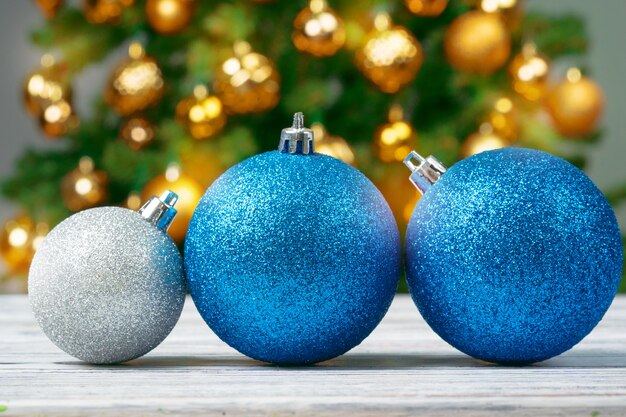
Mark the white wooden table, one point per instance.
(402, 369)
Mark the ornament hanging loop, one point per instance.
(160, 211)
(424, 171)
(296, 139)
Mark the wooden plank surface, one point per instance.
(402, 369)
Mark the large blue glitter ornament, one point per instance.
(292, 257)
(512, 255)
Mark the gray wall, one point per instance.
(607, 62)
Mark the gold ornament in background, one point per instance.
(189, 194)
(529, 73)
(483, 140)
(318, 30)
(84, 187)
(105, 11)
(330, 145)
(46, 85)
(409, 208)
(394, 140)
(511, 10)
(202, 163)
(247, 82)
(135, 84)
(19, 239)
(169, 17)
(503, 119)
(49, 8)
(201, 114)
(137, 133)
(58, 119)
(426, 8)
(478, 42)
(48, 95)
(399, 193)
(390, 56)
(575, 104)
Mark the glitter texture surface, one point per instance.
(513, 256)
(292, 259)
(106, 286)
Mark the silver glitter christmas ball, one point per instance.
(107, 284)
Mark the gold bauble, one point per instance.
(201, 114)
(170, 16)
(189, 194)
(483, 140)
(426, 8)
(19, 239)
(105, 11)
(84, 187)
(58, 119)
(135, 84)
(330, 145)
(511, 10)
(398, 192)
(528, 72)
(576, 105)
(318, 30)
(137, 133)
(202, 162)
(46, 85)
(247, 82)
(394, 140)
(390, 56)
(503, 118)
(477, 42)
(49, 8)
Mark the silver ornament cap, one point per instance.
(107, 284)
(424, 171)
(297, 139)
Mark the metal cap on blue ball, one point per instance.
(293, 257)
(297, 139)
(513, 256)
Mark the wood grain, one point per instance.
(402, 369)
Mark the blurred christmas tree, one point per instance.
(207, 84)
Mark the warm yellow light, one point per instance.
(328, 22)
(313, 28)
(488, 143)
(490, 6)
(388, 136)
(18, 237)
(196, 113)
(83, 186)
(168, 8)
(212, 107)
(135, 50)
(317, 6)
(382, 22)
(172, 173)
(231, 66)
(504, 105)
(138, 134)
(573, 75)
(200, 91)
(242, 47)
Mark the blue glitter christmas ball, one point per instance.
(513, 256)
(292, 258)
